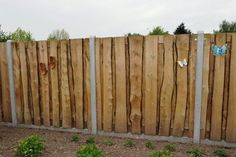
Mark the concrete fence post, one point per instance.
(11, 81)
(93, 84)
(198, 94)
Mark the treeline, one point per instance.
(59, 34)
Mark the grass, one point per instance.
(129, 144)
(150, 145)
(108, 142)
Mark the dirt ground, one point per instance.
(59, 144)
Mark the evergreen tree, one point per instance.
(181, 29)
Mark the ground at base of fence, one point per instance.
(59, 144)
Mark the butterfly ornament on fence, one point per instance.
(219, 50)
(182, 63)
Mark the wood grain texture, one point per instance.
(150, 76)
(34, 80)
(77, 66)
(135, 50)
(167, 87)
(231, 119)
(218, 89)
(182, 45)
(44, 82)
(107, 85)
(121, 115)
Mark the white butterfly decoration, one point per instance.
(182, 63)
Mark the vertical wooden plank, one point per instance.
(121, 116)
(77, 66)
(182, 45)
(6, 107)
(87, 93)
(135, 50)
(167, 87)
(34, 83)
(150, 76)
(231, 120)
(205, 84)
(65, 91)
(44, 82)
(99, 81)
(218, 88)
(107, 85)
(53, 68)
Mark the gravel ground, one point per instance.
(59, 144)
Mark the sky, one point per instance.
(106, 18)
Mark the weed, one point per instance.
(129, 143)
(90, 140)
(164, 153)
(170, 147)
(195, 152)
(75, 138)
(220, 153)
(89, 150)
(150, 145)
(108, 142)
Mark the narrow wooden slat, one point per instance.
(167, 87)
(44, 82)
(231, 120)
(77, 66)
(150, 76)
(6, 108)
(218, 89)
(107, 85)
(53, 67)
(205, 84)
(65, 91)
(135, 50)
(182, 45)
(121, 116)
(34, 82)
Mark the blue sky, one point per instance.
(82, 18)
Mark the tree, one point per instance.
(3, 35)
(58, 35)
(226, 27)
(132, 34)
(181, 29)
(21, 35)
(158, 31)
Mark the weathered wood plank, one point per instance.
(121, 116)
(77, 66)
(231, 120)
(150, 76)
(34, 82)
(44, 82)
(107, 85)
(217, 99)
(182, 44)
(167, 87)
(135, 50)
(65, 91)
(6, 108)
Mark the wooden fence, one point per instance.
(140, 86)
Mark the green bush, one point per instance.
(170, 147)
(220, 153)
(129, 144)
(161, 154)
(90, 140)
(108, 142)
(75, 138)
(89, 151)
(150, 145)
(196, 152)
(31, 146)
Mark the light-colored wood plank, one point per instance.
(77, 66)
(34, 82)
(182, 44)
(107, 85)
(54, 85)
(135, 50)
(6, 108)
(167, 87)
(150, 77)
(65, 91)
(121, 116)
(231, 120)
(218, 89)
(44, 82)
(205, 84)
